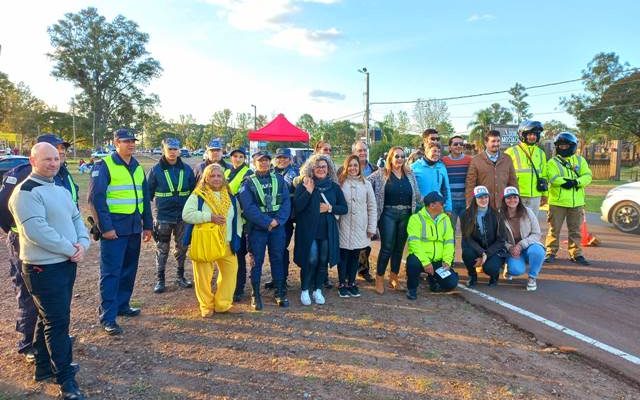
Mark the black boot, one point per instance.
(433, 284)
(281, 294)
(160, 287)
(473, 280)
(256, 300)
(270, 285)
(181, 280)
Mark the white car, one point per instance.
(621, 207)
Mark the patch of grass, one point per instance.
(364, 321)
(431, 354)
(136, 303)
(140, 387)
(424, 385)
(593, 203)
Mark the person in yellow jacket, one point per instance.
(213, 211)
(530, 163)
(431, 247)
(568, 175)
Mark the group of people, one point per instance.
(219, 213)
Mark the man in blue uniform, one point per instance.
(284, 166)
(119, 197)
(170, 184)
(266, 205)
(27, 314)
(214, 155)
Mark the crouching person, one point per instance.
(431, 247)
(215, 238)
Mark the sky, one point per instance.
(303, 56)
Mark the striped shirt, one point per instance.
(457, 172)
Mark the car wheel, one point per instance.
(626, 217)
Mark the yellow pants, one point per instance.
(222, 300)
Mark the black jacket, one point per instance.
(491, 240)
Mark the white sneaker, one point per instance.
(531, 285)
(304, 298)
(318, 297)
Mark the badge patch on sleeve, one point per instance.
(95, 173)
(11, 180)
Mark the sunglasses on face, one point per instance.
(434, 139)
(398, 156)
(456, 144)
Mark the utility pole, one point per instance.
(73, 119)
(364, 71)
(255, 118)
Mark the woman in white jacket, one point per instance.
(522, 239)
(357, 226)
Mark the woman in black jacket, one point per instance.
(483, 239)
(317, 201)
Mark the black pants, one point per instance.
(314, 273)
(414, 268)
(393, 236)
(288, 231)
(241, 255)
(348, 266)
(363, 267)
(51, 287)
(491, 267)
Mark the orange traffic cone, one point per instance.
(587, 238)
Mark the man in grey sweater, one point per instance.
(53, 239)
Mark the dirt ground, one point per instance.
(374, 347)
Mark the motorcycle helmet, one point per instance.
(566, 138)
(527, 127)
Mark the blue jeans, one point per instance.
(532, 255)
(51, 287)
(456, 213)
(241, 255)
(259, 240)
(393, 236)
(314, 274)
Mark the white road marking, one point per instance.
(577, 335)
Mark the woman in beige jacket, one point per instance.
(357, 226)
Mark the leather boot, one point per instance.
(160, 286)
(281, 294)
(380, 284)
(256, 300)
(394, 281)
(181, 280)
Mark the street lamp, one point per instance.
(255, 118)
(364, 71)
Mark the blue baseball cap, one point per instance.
(260, 154)
(238, 150)
(124, 134)
(171, 143)
(53, 139)
(283, 152)
(214, 144)
(433, 197)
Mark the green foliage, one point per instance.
(520, 107)
(553, 127)
(20, 111)
(432, 114)
(485, 118)
(109, 62)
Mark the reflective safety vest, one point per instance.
(72, 185)
(234, 184)
(574, 167)
(268, 203)
(124, 191)
(430, 240)
(173, 191)
(527, 182)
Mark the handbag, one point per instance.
(541, 183)
(207, 243)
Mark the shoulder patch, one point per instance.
(11, 180)
(29, 185)
(95, 173)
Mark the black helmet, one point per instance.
(527, 127)
(566, 138)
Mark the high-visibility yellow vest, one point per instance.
(527, 183)
(430, 240)
(234, 184)
(270, 204)
(72, 185)
(574, 167)
(173, 191)
(124, 191)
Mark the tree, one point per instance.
(611, 105)
(307, 124)
(520, 107)
(553, 127)
(486, 118)
(432, 114)
(107, 60)
(20, 111)
(221, 124)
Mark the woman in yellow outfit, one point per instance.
(213, 211)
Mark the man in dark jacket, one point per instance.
(214, 155)
(170, 184)
(27, 314)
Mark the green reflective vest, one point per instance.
(271, 203)
(234, 184)
(172, 190)
(124, 191)
(574, 167)
(430, 240)
(527, 182)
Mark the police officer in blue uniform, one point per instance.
(264, 197)
(170, 184)
(119, 198)
(284, 166)
(214, 155)
(27, 314)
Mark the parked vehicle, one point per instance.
(184, 153)
(621, 207)
(101, 153)
(9, 162)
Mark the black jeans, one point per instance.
(348, 266)
(490, 267)
(414, 268)
(241, 255)
(312, 275)
(51, 287)
(393, 236)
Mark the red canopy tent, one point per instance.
(279, 130)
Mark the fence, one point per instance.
(599, 168)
